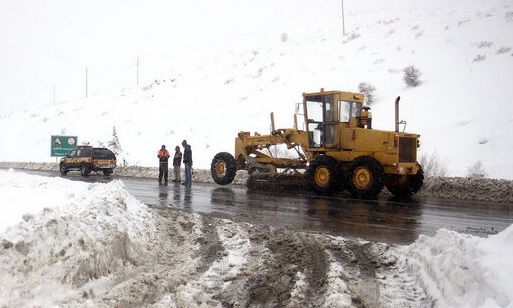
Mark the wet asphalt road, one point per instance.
(383, 220)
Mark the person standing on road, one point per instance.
(177, 161)
(187, 161)
(163, 156)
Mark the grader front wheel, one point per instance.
(223, 168)
(323, 175)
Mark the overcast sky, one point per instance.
(49, 44)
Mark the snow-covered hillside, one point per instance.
(462, 109)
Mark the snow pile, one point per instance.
(459, 270)
(76, 244)
(72, 237)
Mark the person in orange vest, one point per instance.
(163, 156)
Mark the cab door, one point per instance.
(322, 121)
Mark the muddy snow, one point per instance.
(69, 243)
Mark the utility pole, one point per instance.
(137, 64)
(343, 23)
(86, 80)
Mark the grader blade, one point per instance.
(283, 182)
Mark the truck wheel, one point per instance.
(411, 187)
(62, 169)
(223, 168)
(107, 171)
(365, 178)
(84, 170)
(323, 175)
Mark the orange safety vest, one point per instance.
(163, 155)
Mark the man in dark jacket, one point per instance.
(187, 161)
(163, 156)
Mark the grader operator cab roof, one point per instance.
(346, 96)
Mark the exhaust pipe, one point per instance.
(397, 113)
(272, 123)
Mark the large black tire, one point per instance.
(223, 168)
(365, 178)
(84, 170)
(107, 171)
(323, 175)
(411, 187)
(62, 169)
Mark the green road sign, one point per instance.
(62, 145)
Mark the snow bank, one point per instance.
(63, 236)
(460, 270)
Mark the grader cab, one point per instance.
(337, 149)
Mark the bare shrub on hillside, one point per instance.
(352, 36)
(509, 16)
(433, 165)
(476, 171)
(369, 91)
(484, 44)
(411, 76)
(503, 50)
(479, 58)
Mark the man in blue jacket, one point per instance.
(187, 161)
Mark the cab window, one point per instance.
(348, 110)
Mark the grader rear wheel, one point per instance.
(323, 175)
(223, 168)
(365, 178)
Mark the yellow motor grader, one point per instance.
(337, 149)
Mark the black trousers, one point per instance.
(163, 171)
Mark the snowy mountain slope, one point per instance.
(462, 109)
